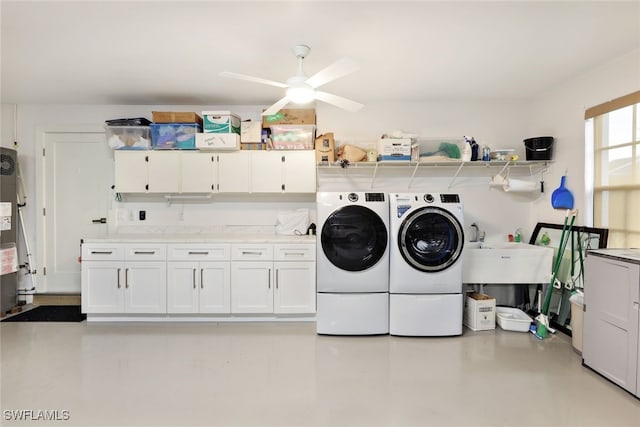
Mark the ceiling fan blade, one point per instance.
(338, 101)
(252, 79)
(276, 107)
(340, 68)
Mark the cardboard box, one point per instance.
(291, 116)
(220, 122)
(218, 141)
(253, 146)
(176, 117)
(394, 149)
(479, 312)
(250, 131)
(325, 148)
(174, 135)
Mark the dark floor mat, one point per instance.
(49, 313)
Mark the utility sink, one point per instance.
(506, 262)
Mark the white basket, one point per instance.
(513, 319)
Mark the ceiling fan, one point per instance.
(302, 89)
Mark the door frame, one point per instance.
(40, 190)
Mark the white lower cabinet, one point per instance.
(112, 284)
(285, 284)
(186, 278)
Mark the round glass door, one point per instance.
(354, 238)
(430, 239)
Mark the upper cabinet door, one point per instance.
(266, 172)
(233, 172)
(198, 172)
(130, 174)
(164, 172)
(299, 171)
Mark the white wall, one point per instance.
(560, 112)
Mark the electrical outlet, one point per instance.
(142, 215)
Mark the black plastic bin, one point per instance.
(539, 148)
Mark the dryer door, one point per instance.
(430, 239)
(354, 238)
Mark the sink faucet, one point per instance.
(476, 234)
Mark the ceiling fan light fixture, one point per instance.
(301, 95)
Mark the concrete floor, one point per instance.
(283, 374)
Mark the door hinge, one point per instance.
(44, 212)
(146, 159)
(282, 159)
(44, 271)
(43, 152)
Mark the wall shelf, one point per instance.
(453, 169)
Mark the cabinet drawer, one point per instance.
(198, 252)
(145, 252)
(252, 252)
(102, 252)
(294, 252)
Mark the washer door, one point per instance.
(354, 238)
(430, 239)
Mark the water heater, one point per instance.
(8, 226)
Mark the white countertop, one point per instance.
(201, 238)
(632, 255)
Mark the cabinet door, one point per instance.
(610, 336)
(299, 171)
(295, 284)
(130, 173)
(251, 287)
(197, 172)
(233, 172)
(145, 287)
(164, 171)
(182, 287)
(102, 287)
(215, 287)
(266, 171)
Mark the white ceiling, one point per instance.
(143, 52)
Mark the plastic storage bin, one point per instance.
(128, 137)
(513, 319)
(293, 137)
(174, 135)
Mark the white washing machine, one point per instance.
(425, 284)
(352, 262)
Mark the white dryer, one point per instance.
(352, 261)
(425, 284)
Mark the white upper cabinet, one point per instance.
(233, 172)
(180, 171)
(283, 171)
(199, 172)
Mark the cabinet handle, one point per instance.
(294, 254)
(202, 278)
(119, 278)
(269, 278)
(144, 252)
(251, 253)
(101, 252)
(277, 278)
(194, 278)
(126, 278)
(198, 253)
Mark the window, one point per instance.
(613, 139)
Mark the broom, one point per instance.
(543, 317)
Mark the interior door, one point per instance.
(74, 180)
